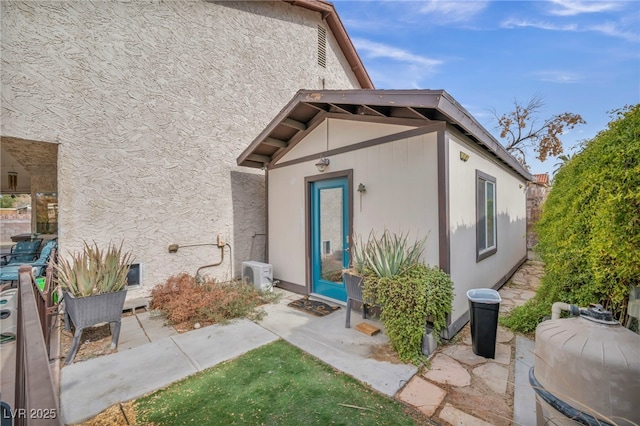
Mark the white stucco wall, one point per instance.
(466, 273)
(401, 195)
(151, 102)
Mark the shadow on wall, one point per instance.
(511, 239)
(249, 217)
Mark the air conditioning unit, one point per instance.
(259, 274)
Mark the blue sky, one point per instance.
(579, 56)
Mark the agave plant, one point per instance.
(94, 271)
(387, 256)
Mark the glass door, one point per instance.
(329, 236)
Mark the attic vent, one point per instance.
(322, 47)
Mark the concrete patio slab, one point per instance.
(524, 399)
(345, 349)
(88, 387)
(212, 345)
(154, 326)
(131, 334)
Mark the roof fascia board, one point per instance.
(452, 109)
(284, 112)
(389, 98)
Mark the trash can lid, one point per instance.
(484, 295)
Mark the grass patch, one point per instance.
(276, 384)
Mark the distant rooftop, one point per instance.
(542, 178)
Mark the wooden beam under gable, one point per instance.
(259, 158)
(275, 142)
(294, 124)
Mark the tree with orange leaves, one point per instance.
(522, 130)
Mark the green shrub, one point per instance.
(589, 232)
(408, 301)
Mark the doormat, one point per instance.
(313, 307)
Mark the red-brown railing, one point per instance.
(36, 400)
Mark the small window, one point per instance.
(322, 47)
(326, 247)
(486, 232)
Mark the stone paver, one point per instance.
(494, 376)
(503, 354)
(459, 418)
(423, 395)
(526, 294)
(446, 370)
(503, 335)
(464, 354)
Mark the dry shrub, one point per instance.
(182, 299)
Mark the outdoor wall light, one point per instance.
(464, 156)
(322, 164)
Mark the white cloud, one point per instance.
(558, 76)
(453, 11)
(575, 7)
(611, 29)
(522, 23)
(373, 50)
(608, 28)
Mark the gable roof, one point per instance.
(308, 108)
(330, 15)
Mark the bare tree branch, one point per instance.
(520, 129)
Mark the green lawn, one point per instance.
(276, 384)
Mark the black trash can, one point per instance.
(484, 305)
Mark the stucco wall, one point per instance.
(466, 273)
(401, 194)
(151, 102)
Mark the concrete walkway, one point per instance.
(460, 388)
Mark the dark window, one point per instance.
(486, 232)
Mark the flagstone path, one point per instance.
(462, 388)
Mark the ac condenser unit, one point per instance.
(259, 274)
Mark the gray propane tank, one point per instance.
(587, 371)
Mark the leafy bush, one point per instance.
(408, 301)
(589, 232)
(183, 300)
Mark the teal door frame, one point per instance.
(313, 185)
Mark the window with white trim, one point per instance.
(486, 221)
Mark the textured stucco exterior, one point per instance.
(466, 272)
(150, 103)
(401, 191)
